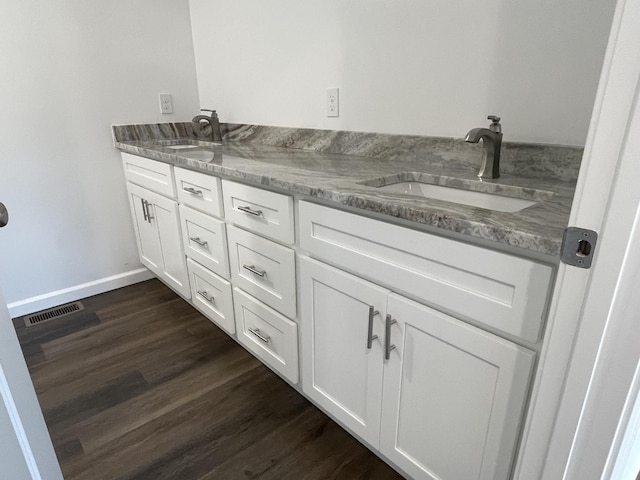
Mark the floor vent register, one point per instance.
(53, 313)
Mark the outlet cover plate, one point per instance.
(166, 103)
(333, 102)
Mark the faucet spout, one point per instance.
(213, 121)
(491, 142)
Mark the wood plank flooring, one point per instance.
(140, 385)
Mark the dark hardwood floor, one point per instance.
(140, 385)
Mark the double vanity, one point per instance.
(405, 298)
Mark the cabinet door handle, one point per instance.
(264, 338)
(202, 243)
(149, 217)
(252, 269)
(255, 213)
(205, 295)
(370, 336)
(387, 337)
(192, 191)
(144, 210)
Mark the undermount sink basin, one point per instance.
(181, 147)
(188, 146)
(474, 193)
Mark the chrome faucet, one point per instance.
(491, 142)
(216, 134)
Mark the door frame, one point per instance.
(19, 398)
(565, 432)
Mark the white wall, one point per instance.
(426, 67)
(70, 69)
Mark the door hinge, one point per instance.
(578, 246)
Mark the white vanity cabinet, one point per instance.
(440, 398)
(400, 330)
(157, 228)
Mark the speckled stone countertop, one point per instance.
(338, 178)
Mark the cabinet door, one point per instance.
(453, 396)
(159, 240)
(146, 232)
(164, 213)
(340, 372)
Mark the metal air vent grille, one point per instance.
(50, 314)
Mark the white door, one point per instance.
(589, 358)
(341, 368)
(453, 396)
(26, 451)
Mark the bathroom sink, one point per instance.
(474, 193)
(189, 146)
(200, 155)
(181, 147)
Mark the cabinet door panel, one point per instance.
(339, 372)
(453, 396)
(165, 215)
(146, 233)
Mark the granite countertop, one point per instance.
(338, 178)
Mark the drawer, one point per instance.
(266, 333)
(267, 213)
(500, 290)
(205, 240)
(264, 269)
(200, 191)
(212, 296)
(151, 174)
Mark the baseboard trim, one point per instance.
(77, 292)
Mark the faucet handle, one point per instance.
(495, 123)
(207, 110)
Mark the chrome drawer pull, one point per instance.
(260, 335)
(205, 295)
(255, 213)
(387, 340)
(370, 336)
(192, 191)
(252, 269)
(202, 243)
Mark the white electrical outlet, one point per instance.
(166, 104)
(333, 103)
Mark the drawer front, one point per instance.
(212, 296)
(200, 191)
(151, 174)
(264, 269)
(266, 333)
(266, 213)
(205, 240)
(499, 290)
